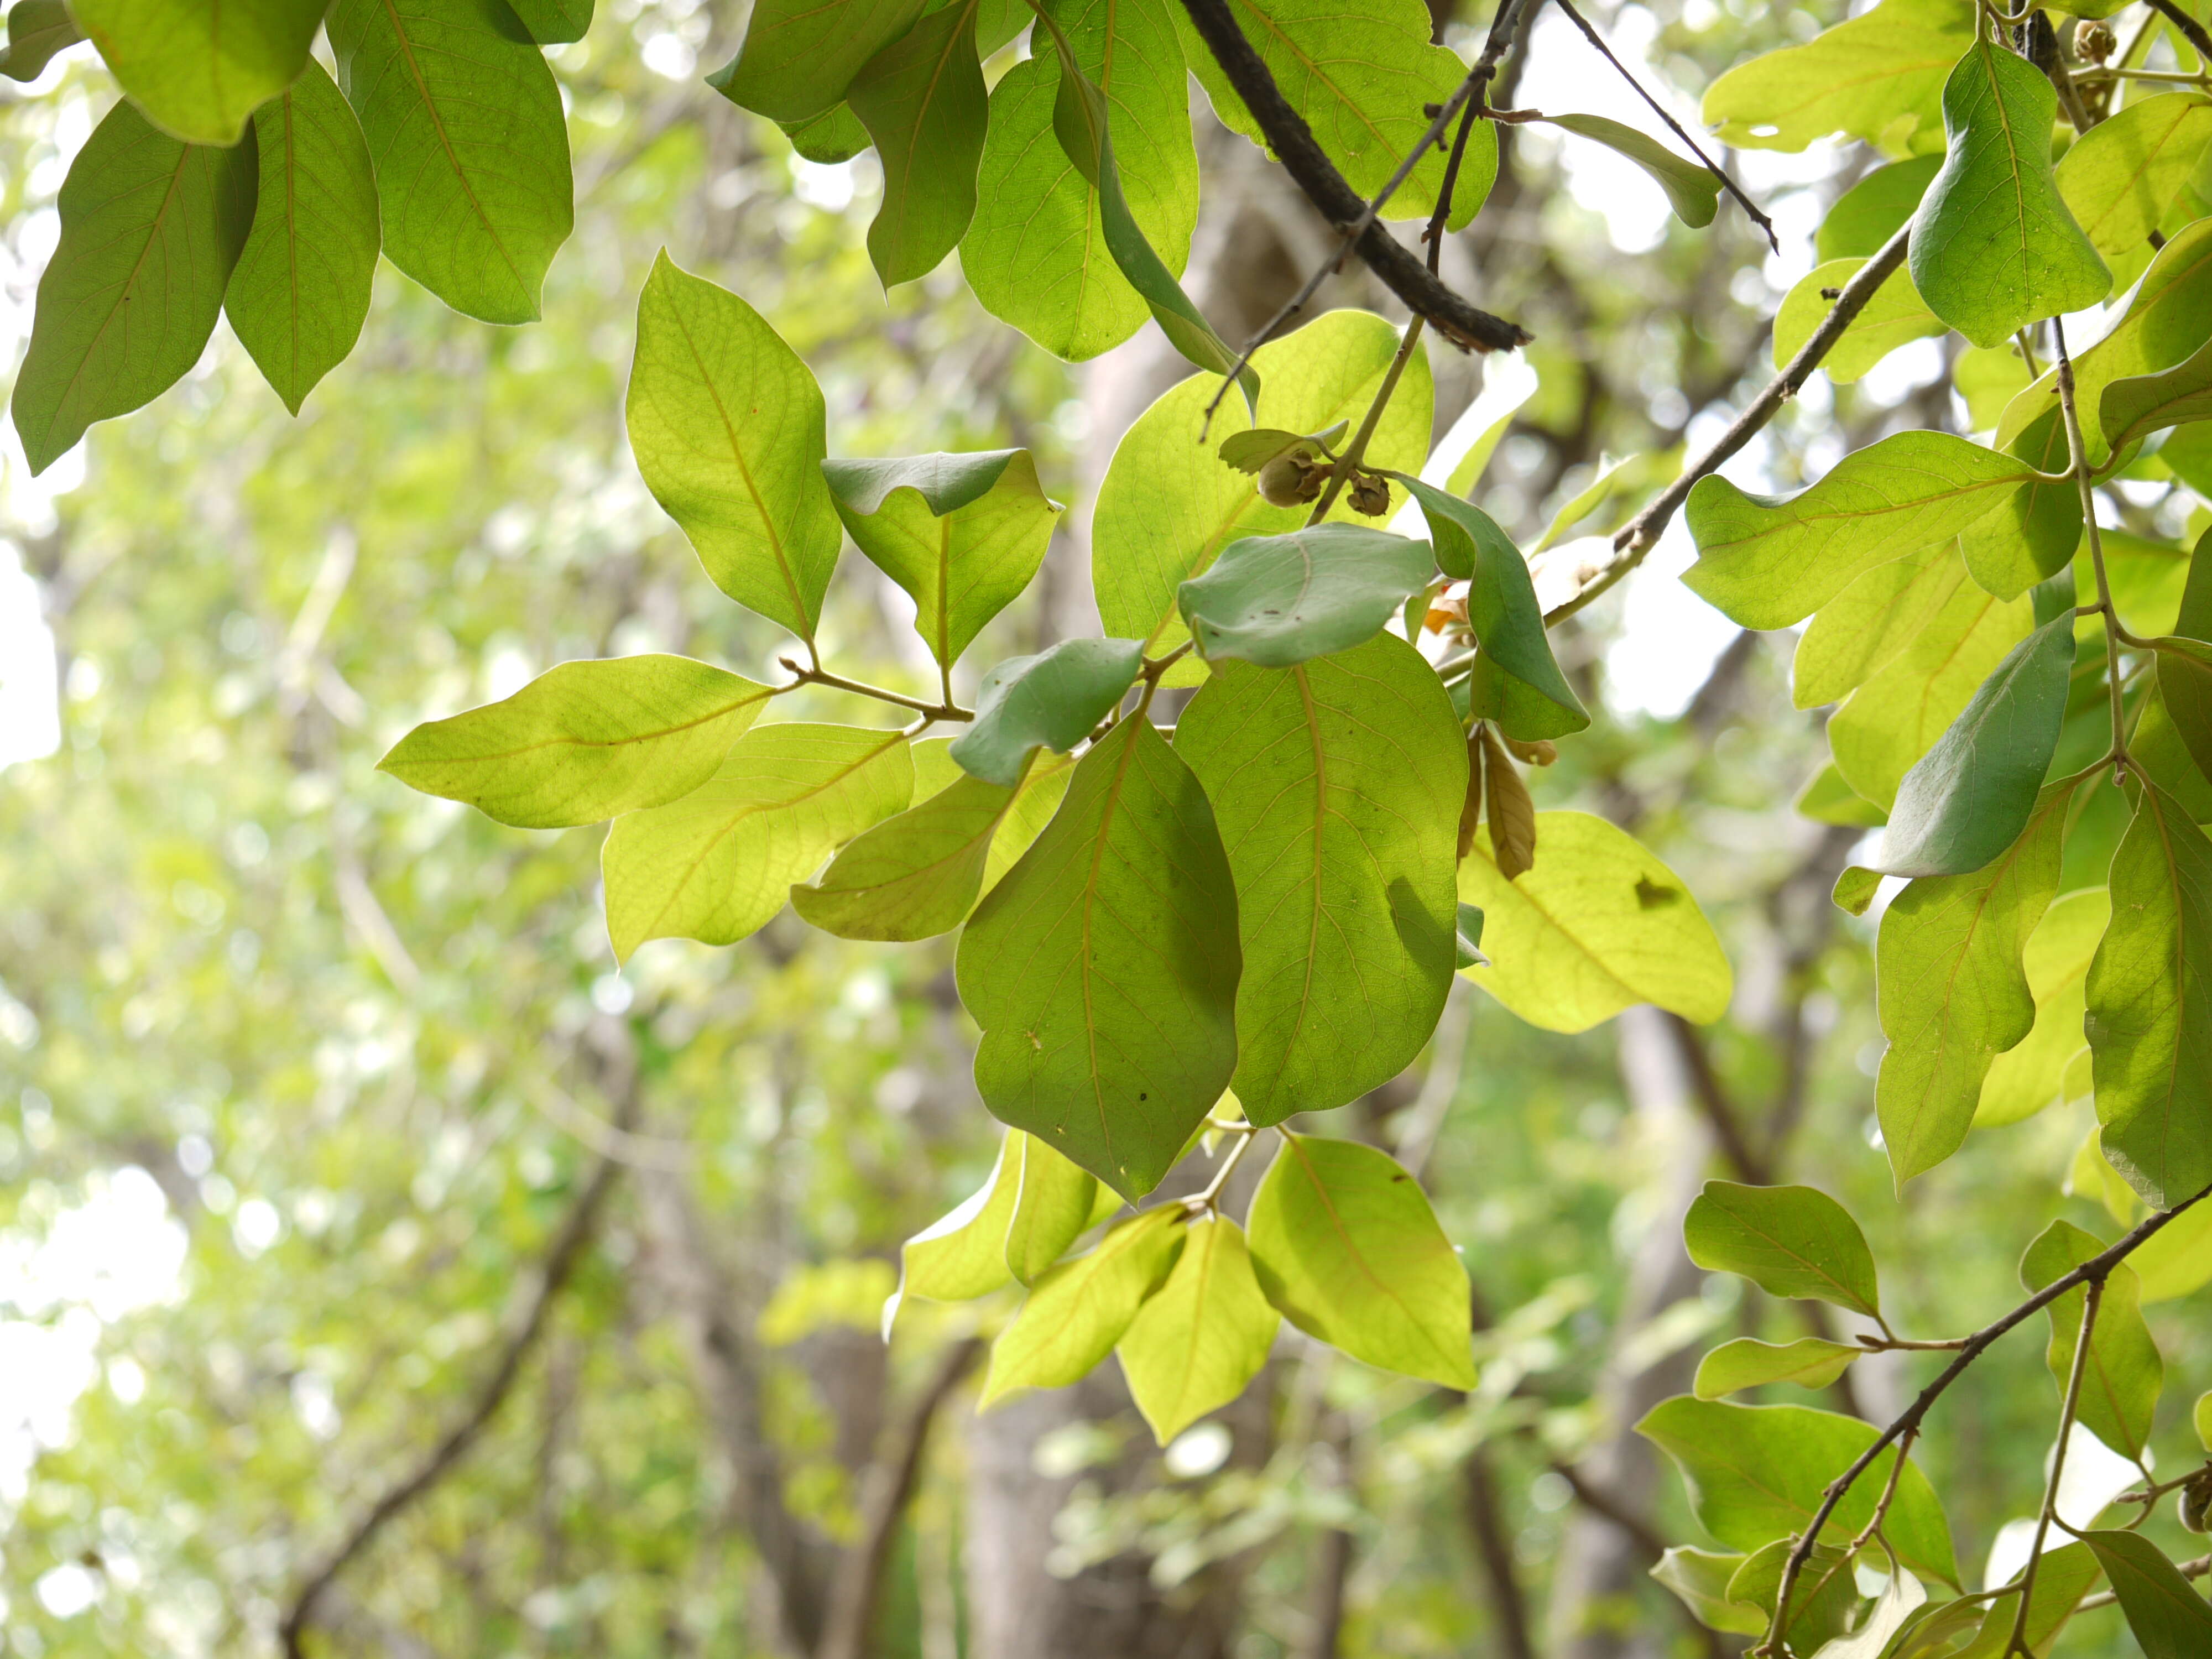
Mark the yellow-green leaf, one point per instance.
(1598, 926)
(1202, 1336)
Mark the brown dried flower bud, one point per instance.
(1369, 495)
(2095, 42)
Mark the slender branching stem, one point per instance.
(1641, 534)
(1354, 452)
(2091, 1301)
(2195, 1569)
(2078, 452)
(1211, 1198)
(1674, 126)
(2093, 1271)
(817, 675)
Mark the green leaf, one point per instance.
(1103, 969)
(1337, 786)
(465, 126)
(1987, 381)
(1993, 246)
(834, 136)
(1874, 210)
(1359, 78)
(1767, 561)
(1517, 681)
(554, 23)
(1466, 946)
(920, 873)
(2121, 1380)
(1053, 701)
(1900, 1597)
(1871, 623)
(1168, 506)
(2200, 1419)
(1598, 926)
(2135, 408)
(1878, 78)
(1053, 1199)
(1951, 991)
(1700, 1578)
(916, 874)
(1082, 119)
(799, 57)
(1900, 713)
(1693, 190)
(962, 1255)
(1743, 1364)
(1827, 798)
(37, 29)
(1276, 600)
(2150, 1006)
(2166, 317)
(2120, 178)
(197, 68)
(2063, 1576)
(1894, 316)
(2169, 1619)
(1757, 1472)
(1076, 1313)
(2184, 685)
(717, 864)
(1968, 798)
(1789, 1241)
(1036, 255)
(923, 100)
(151, 230)
(300, 290)
(2037, 526)
(2029, 1076)
(1346, 1246)
(584, 741)
(730, 431)
(1821, 1602)
(964, 534)
(1202, 1336)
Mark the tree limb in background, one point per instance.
(1641, 534)
(561, 1260)
(1465, 325)
(1493, 1548)
(858, 1591)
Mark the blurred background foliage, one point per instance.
(301, 1073)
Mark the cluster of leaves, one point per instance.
(238, 179)
(1183, 936)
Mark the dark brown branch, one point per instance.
(1712, 1098)
(2096, 1270)
(1608, 1508)
(561, 1260)
(1674, 126)
(1642, 533)
(1464, 324)
(859, 1584)
(2194, 32)
(1493, 1547)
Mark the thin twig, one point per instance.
(2195, 1569)
(1474, 89)
(561, 1260)
(1465, 325)
(817, 675)
(2091, 1299)
(1675, 126)
(1641, 534)
(2095, 1269)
